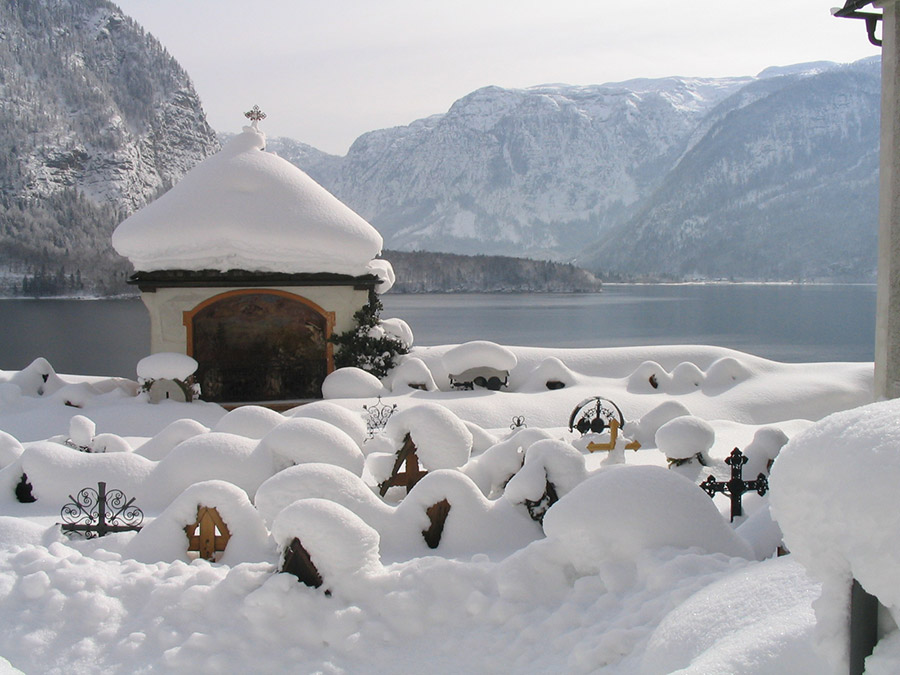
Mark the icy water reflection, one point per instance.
(782, 322)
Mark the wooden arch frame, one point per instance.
(188, 316)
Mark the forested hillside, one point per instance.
(96, 118)
(424, 272)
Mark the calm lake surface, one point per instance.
(793, 323)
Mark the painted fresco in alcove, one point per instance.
(259, 347)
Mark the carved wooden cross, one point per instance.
(202, 536)
(413, 473)
(737, 486)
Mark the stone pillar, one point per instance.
(887, 322)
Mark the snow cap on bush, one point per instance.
(684, 437)
(441, 438)
(351, 383)
(164, 538)
(249, 421)
(351, 423)
(624, 510)
(339, 543)
(477, 354)
(162, 443)
(300, 440)
(546, 460)
(412, 371)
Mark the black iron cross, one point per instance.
(99, 512)
(737, 486)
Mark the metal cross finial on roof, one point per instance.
(255, 115)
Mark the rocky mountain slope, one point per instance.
(96, 118)
(773, 176)
(782, 185)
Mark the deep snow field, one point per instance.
(633, 570)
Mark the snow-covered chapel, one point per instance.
(248, 265)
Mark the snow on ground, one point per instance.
(633, 570)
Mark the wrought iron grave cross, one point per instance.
(378, 415)
(96, 513)
(737, 486)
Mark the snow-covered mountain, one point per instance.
(783, 184)
(613, 175)
(96, 118)
(529, 171)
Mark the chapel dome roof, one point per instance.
(244, 208)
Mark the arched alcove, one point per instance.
(259, 345)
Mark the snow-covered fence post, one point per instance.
(736, 486)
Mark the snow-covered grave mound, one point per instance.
(633, 569)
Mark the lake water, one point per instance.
(793, 323)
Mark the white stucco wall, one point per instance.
(168, 305)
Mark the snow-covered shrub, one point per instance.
(351, 423)
(164, 538)
(551, 373)
(726, 372)
(473, 523)
(624, 510)
(442, 440)
(10, 449)
(213, 456)
(250, 421)
(551, 470)
(686, 377)
(763, 449)
(492, 469)
(368, 346)
(37, 379)
(686, 439)
(644, 429)
(301, 440)
(412, 373)
(399, 329)
(649, 377)
(322, 481)
(56, 471)
(477, 354)
(162, 443)
(351, 383)
(341, 546)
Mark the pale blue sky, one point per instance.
(327, 71)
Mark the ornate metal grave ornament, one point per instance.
(518, 422)
(737, 486)
(378, 415)
(594, 416)
(255, 115)
(96, 513)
